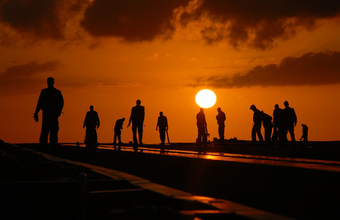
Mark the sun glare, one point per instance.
(205, 98)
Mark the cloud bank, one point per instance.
(311, 69)
(258, 23)
(21, 79)
(131, 20)
(254, 23)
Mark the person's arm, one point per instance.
(130, 118)
(98, 121)
(166, 123)
(37, 109)
(84, 125)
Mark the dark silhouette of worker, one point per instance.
(117, 133)
(268, 127)
(162, 124)
(289, 122)
(137, 119)
(51, 102)
(91, 123)
(278, 126)
(304, 136)
(220, 117)
(257, 119)
(202, 127)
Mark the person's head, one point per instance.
(91, 107)
(286, 104)
(50, 82)
(252, 107)
(276, 106)
(161, 113)
(138, 102)
(201, 109)
(123, 119)
(219, 109)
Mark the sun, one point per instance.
(205, 98)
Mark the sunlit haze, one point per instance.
(109, 53)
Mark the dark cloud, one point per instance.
(21, 78)
(131, 20)
(43, 19)
(255, 23)
(258, 23)
(310, 69)
(39, 17)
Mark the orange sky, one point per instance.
(109, 53)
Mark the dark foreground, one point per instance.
(287, 191)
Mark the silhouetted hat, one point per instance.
(252, 107)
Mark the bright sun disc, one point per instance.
(205, 98)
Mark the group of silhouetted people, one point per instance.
(282, 123)
(202, 126)
(51, 103)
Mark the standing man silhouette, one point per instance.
(117, 133)
(162, 124)
(137, 118)
(91, 123)
(289, 122)
(277, 123)
(257, 119)
(202, 127)
(51, 102)
(220, 117)
(268, 126)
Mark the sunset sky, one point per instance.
(109, 53)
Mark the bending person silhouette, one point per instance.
(162, 124)
(220, 117)
(202, 127)
(117, 133)
(257, 119)
(91, 123)
(289, 122)
(304, 136)
(51, 102)
(137, 119)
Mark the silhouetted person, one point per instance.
(220, 117)
(51, 102)
(137, 119)
(268, 126)
(162, 124)
(289, 122)
(257, 119)
(278, 126)
(117, 133)
(91, 123)
(202, 127)
(304, 136)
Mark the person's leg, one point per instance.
(115, 140)
(44, 135)
(140, 133)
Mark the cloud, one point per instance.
(22, 78)
(131, 20)
(254, 23)
(311, 69)
(37, 16)
(258, 23)
(154, 57)
(42, 19)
